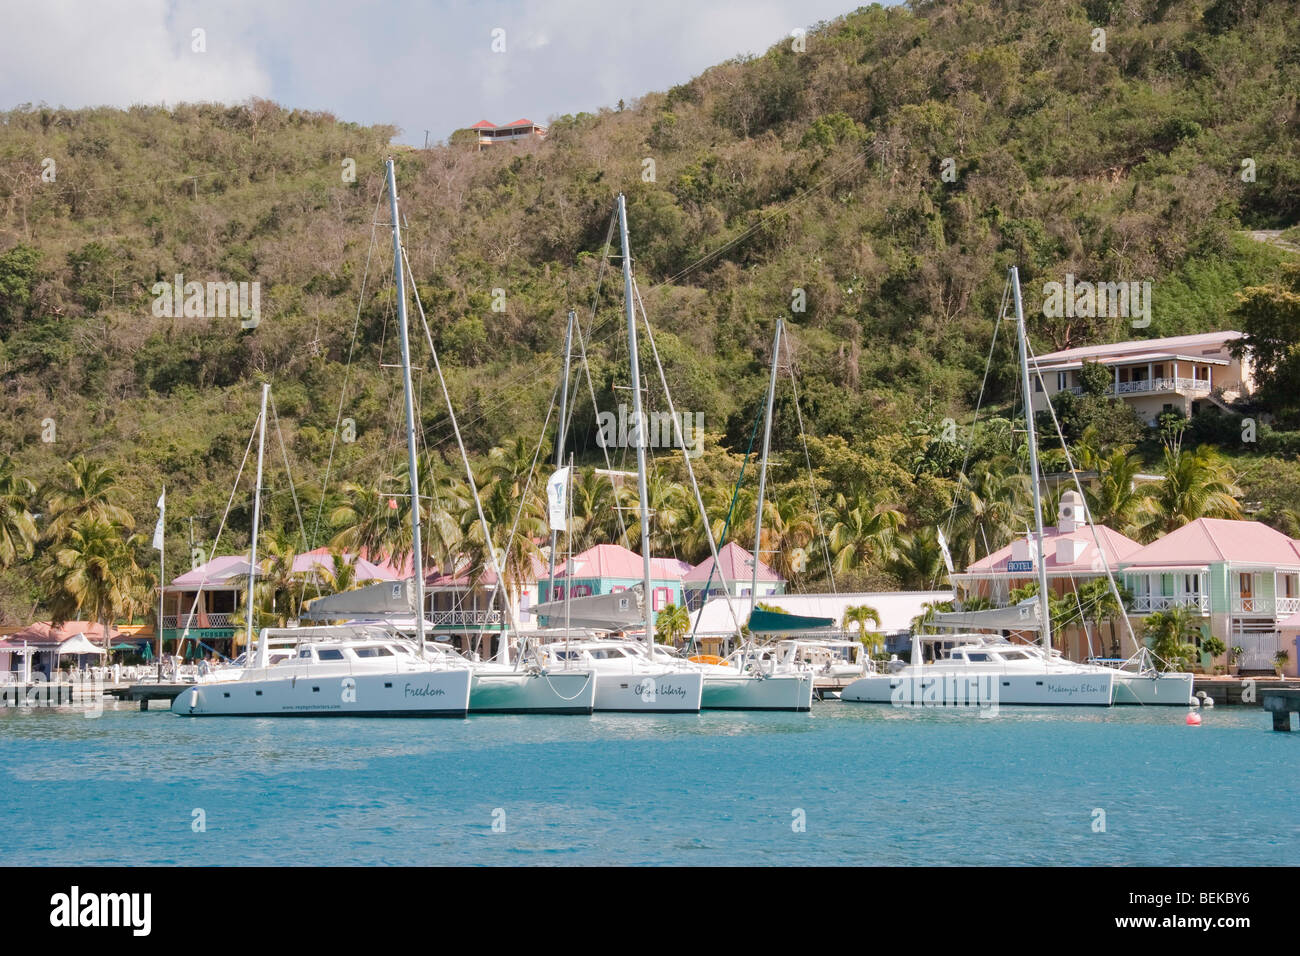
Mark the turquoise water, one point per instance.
(875, 785)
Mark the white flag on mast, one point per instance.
(162, 514)
(557, 489)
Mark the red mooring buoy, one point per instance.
(1193, 719)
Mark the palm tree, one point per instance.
(860, 614)
(84, 489)
(1095, 602)
(672, 624)
(1172, 634)
(94, 573)
(917, 561)
(1115, 498)
(862, 531)
(17, 525)
(1196, 484)
(340, 575)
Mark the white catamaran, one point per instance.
(988, 668)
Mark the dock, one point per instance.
(144, 693)
(1281, 702)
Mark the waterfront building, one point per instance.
(1241, 578)
(1076, 554)
(610, 568)
(737, 569)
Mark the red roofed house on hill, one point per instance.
(490, 134)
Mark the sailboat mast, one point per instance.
(639, 420)
(1041, 561)
(762, 469)
(257, 515)
(417, 551)
(560, 438)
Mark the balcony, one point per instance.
(1148, 603)
(1148, 386)
(1277, 607)
(212, 620)
(467, 618)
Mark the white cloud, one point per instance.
(417, 64)
(118, 52)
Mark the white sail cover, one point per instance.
(385, 599)
(608, 612)
(1018, 617)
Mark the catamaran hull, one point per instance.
(1170, 689)
(435, 694)
(983, 690)
(670, 693)
(791, 692)
(559, 692)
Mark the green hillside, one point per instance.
(813, 176)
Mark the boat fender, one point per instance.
(194, 698)
(1203, 699)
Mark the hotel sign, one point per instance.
(1013, 566)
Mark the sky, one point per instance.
(417, 65)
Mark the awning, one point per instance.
(79, 645)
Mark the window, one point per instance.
(330, 654)
(372, 652)
(1245, 582)
(304, 653)
(1062, 381)
(663, 597)
(1038, 383)
(978, 657)
(559, 594)
(581, 590)
(616, 588)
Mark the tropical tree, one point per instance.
(17, 524)
(1172, 634)
(95, 574)
(1196, 484)
(917, 561)
(860, 614)
(671, 624)
(83, 489)
(862, 531)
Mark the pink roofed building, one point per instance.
(608, 568)
(1242, 578)
(735, 567)
(203, 602)
(1076, 554)
(1154, 375)
(489, 134)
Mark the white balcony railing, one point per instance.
(1162, 385)
(466, 618)
(1279, 607)
(1146, 603)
